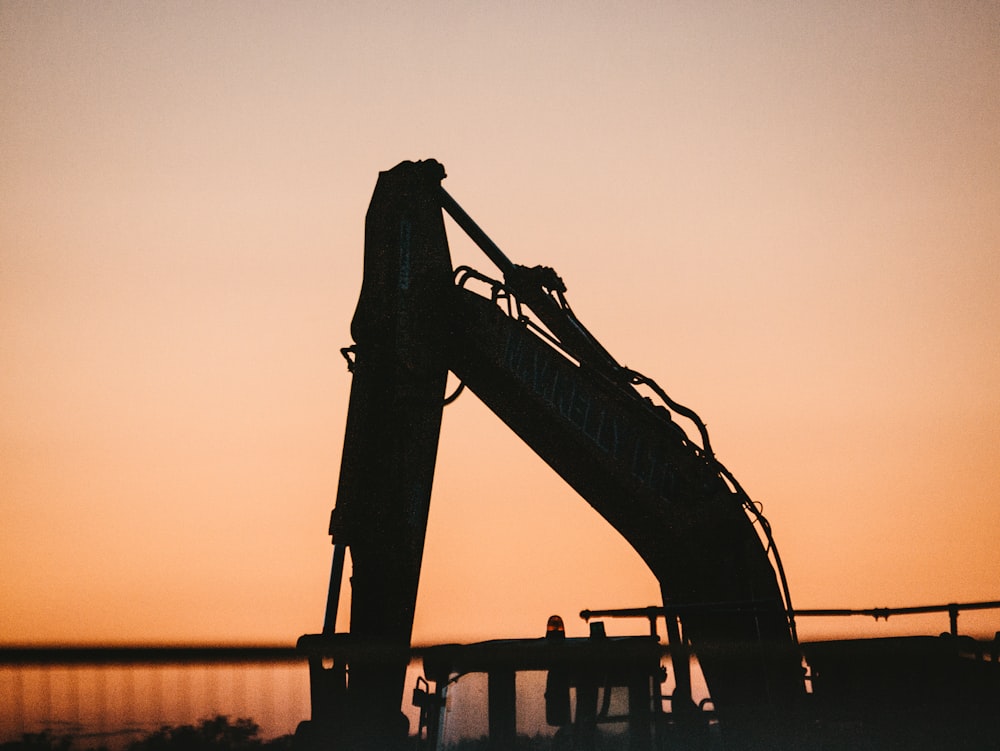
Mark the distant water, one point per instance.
(114, 704)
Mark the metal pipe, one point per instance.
(474, 231)
(333, 594)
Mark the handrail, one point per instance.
(653, 612)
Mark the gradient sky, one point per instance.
(788, 214)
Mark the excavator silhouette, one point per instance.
(608, 431)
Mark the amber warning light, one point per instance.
(555, 628)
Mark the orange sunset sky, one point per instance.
(788, 214)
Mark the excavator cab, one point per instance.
(597, 692)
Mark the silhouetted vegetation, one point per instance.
(43, 741)
(210, 734)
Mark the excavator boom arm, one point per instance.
(571, 402)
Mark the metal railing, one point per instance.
(653, 612)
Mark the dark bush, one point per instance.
(210, 734)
